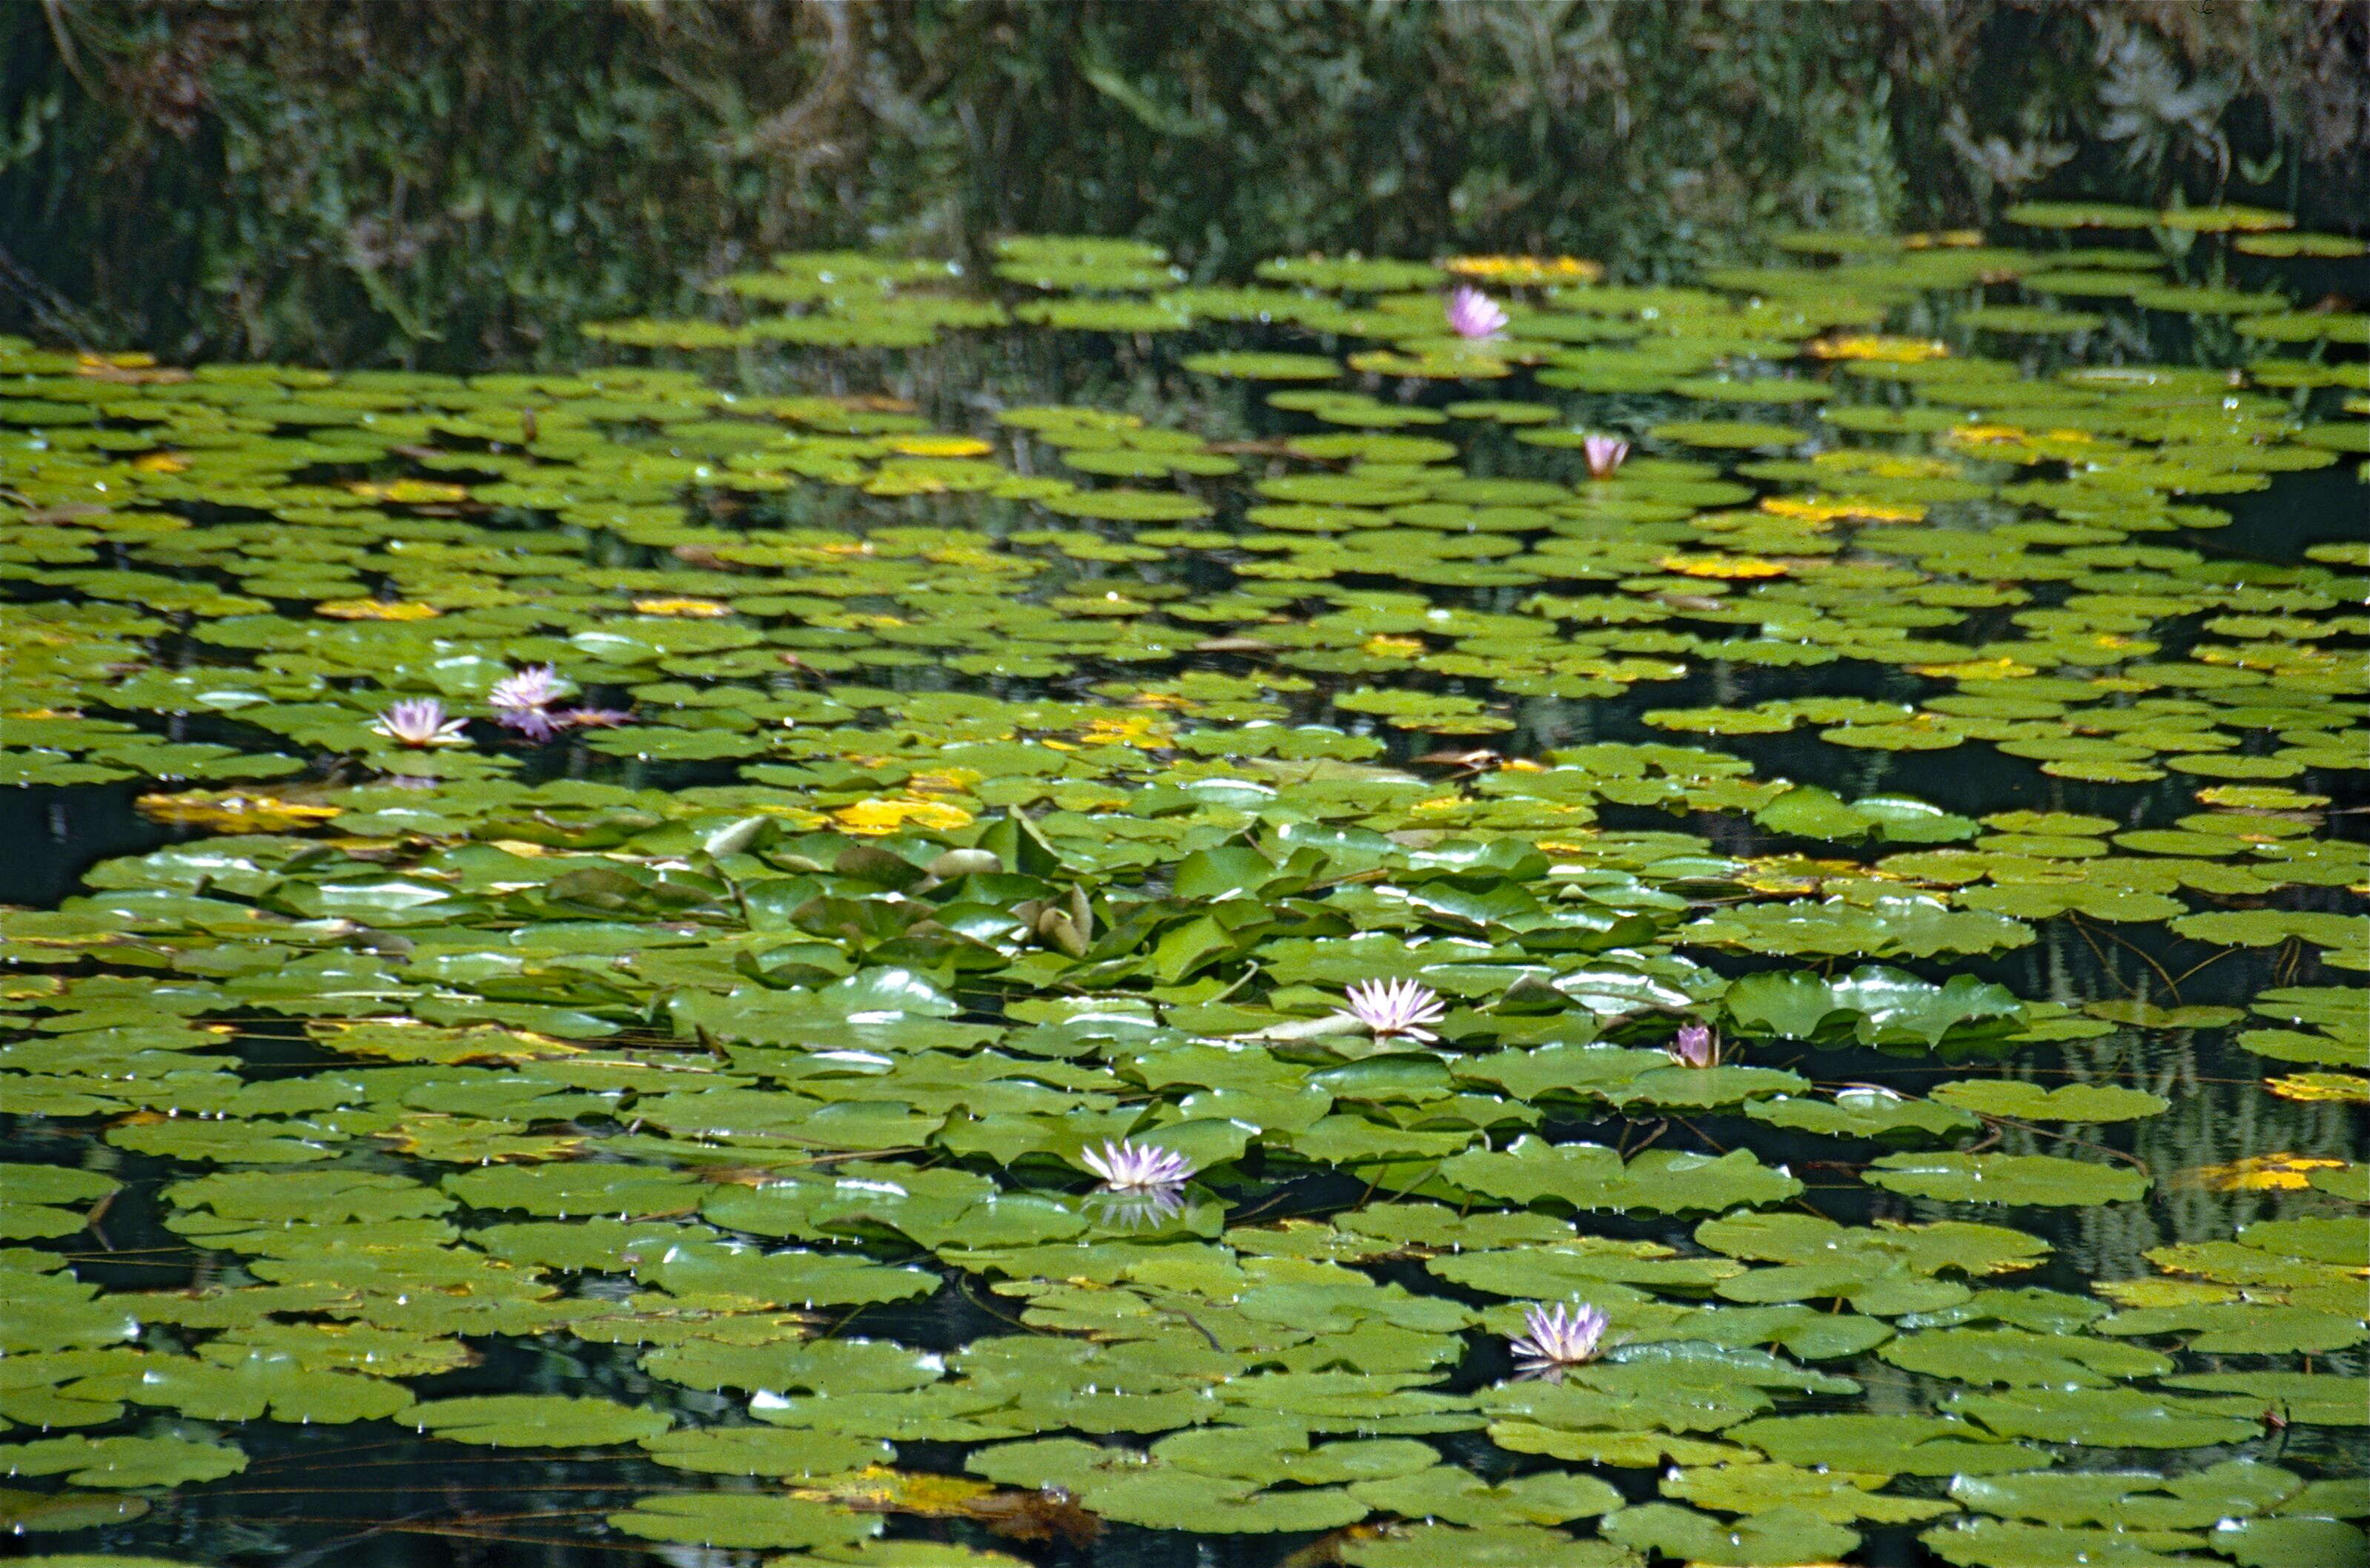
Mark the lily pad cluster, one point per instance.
(948, 800)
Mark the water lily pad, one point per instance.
(1840, 1497)
(535, 1421)
(1264, 366)
(2007, 1179)
(2067, 1102)
(1896, 1444)
(1588, 1176)
(2026, 1360)
(744, 1519)
(1878, 1006)
(2115, 1418)
(764, 1450)
(1727, 434)
(2290, 1543)
(1782, 1536)
(126, 1462)
(245, 1387)
(1449, 1546)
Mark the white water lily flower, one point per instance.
(419, 723)
(1555, 1337)
(1396, 1006)
(537, 685)
(1137, 1168)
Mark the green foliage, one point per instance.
(466, 180)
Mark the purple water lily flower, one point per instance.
(1605, 454)
(1557, 1337)
(522, 701)
(537, 685)
(1135, 1167)
(1395, 1007)
(419, 721)
(1697, 1046)
(1472, 314)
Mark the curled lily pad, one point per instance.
(1878, 1006)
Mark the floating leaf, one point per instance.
(1588, 1176)
(744, 1519)
(535, 1421)
(126, 1462)
(2067, 1102)
(2006, 1178)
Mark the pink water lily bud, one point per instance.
(1605, 454)
(1697, 1046)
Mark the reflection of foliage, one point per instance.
(287, 181)
(2153, 113)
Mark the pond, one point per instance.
(1400, 914)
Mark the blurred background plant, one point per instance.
(455, 183)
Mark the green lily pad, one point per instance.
(1588, 1176)
(1504, 1546)
(2007, 1179)
(1782, 1536)
(1997, 1544)
(2111, 1418)
(744, 1520)
(764, 1450)
(535, 1421)
(2067, 1102)
(126, 1462)
(1840, 1497)
(1896, 1444)
(2022, 1359)
(1251, 366)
